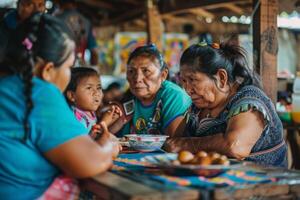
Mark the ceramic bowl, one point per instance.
(146, 142)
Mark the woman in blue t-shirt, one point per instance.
(39, 134)
(158, 106)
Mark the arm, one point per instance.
(237, 142)
(88, 160)
(176, 127)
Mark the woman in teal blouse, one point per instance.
(157, 106)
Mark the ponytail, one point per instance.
(209, 58)
(241, 72)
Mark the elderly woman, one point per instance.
(230, 114)
(157, 106)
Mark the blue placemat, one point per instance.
(132, 164)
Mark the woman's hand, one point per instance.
(177, 144)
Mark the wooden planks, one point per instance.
(154, 25)
(113, 186)
(265, 45)
(175, 5)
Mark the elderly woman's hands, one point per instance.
(177, 144)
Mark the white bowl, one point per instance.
(146, 142)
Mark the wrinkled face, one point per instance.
(145, 78)
(200, 88)
(62, 75)
(88, 94)
(27, 7)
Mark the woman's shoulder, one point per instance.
(250, 92)
(47, 95)
(45, 89)
(250, 97)
(169, 87)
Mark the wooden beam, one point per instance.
(154, 25)
(133, 2)
(140, 22)
(175, 5)
(234, 9)
(175, 19)
(123, 17)
(202, 12)
(265, 44)
(99, 4)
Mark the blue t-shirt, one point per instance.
(170, 102)
(24, 172)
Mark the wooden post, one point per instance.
(154, 25)
(265, 44)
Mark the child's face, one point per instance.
(88, 95)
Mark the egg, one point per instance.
(201, 154)
(185, 156)
(204, 161)
(214, 155)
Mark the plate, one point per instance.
(165, 162)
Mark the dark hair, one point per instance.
(150, 51)
(77, 74)
(209, 58)
(113, 85)
(40, 37)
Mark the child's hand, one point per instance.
(110, 116)
(95, 131)
(108, 137)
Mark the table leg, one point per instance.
(292, 139)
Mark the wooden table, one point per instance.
(118, 187)
(129, 186)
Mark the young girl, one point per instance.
(84, 94)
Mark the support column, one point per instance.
(154, 25)
(265, 44)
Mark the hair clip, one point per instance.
(215, 45)
(202, 44)
(27, 43)
(151, 46)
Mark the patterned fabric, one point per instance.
(25, 173)
(248, 97)
(170, 102)
(133, 164)
(88, 119)
(62, 188)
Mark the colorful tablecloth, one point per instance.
(132, 163)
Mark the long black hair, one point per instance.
(209, 58)
(41, 37)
